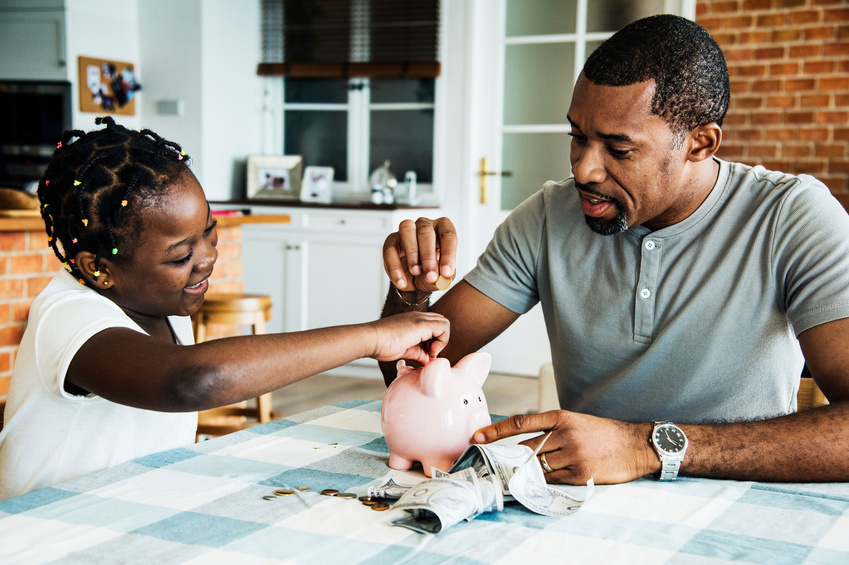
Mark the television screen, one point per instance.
(33, 116)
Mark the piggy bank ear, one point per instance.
(476, 365)
(402, 368)
(433, 376)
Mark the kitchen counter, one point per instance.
(30, 220)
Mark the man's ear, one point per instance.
(98, 277)
(704, 141)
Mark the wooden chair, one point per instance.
(809, 395)
(2, 413)
(237, 310)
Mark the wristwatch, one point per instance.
(671, 443)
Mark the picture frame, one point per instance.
(274, 177)
(316, 185)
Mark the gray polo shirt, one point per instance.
(693, 322)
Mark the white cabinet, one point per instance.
(325, 268)
(32, 40)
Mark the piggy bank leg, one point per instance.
(399, 463)
(441, 464)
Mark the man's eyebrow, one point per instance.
(620, 137)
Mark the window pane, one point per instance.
(316, 90)
(541, 17)
(419, 91)
(320, 137)
(533, 158)
(405, 137)
(542, 75)
(613, 15)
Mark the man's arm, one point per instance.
(809, 446)
(475, 320)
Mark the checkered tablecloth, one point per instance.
(204, 504)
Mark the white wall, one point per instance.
(101, 29)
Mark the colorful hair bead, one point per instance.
(59, 145)
(96, 274)
(46, 183)
(74, 240)
(71, 261)
(123, 203)
(82, 281)
(77, 183)
(114, 251)
(182, 154)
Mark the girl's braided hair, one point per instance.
(96, 186)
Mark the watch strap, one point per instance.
(670, 465)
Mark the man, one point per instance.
(676, 287)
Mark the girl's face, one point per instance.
(169, 272)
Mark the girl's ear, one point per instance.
(704, 141)
(98, 277)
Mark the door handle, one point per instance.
(484, 173)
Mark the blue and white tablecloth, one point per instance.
(204, 504)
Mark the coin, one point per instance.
(269, 497)
(380, 506)
(330, 492)
(284, 492)
(346, 495)
(368, 500)
(304, 488)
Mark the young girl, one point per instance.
(107, 370)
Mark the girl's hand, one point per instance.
(417, 336)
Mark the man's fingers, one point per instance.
(393, 264)
(447, 236)
(515, 425)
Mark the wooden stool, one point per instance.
(240, 310)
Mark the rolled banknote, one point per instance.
(482, 479)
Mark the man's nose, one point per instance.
(588, 164)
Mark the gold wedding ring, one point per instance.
(545, 464)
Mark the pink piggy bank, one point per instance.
(429, 414)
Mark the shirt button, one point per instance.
(650, 245)
(645, 293)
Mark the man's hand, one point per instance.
(418, 336)
(581, 446)
(419, 253)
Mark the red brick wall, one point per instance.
(788, 62)
(27, 265)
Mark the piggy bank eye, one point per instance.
(465, 401)
(480, 399)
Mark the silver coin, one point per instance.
(269, 497)
(304, 488)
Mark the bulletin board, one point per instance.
(107, 86)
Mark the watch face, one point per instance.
(670, 439)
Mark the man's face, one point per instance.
(628, 168)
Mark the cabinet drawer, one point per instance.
(352, 222)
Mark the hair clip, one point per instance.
(77, 183)
(114, 251)
(123, 203)
(85, 221)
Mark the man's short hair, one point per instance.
(687, 65)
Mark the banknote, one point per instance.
(482, 479)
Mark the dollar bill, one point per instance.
(482, 479)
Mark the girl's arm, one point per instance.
(130, 368)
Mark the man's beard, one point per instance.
(609, 227)
(605, 227)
